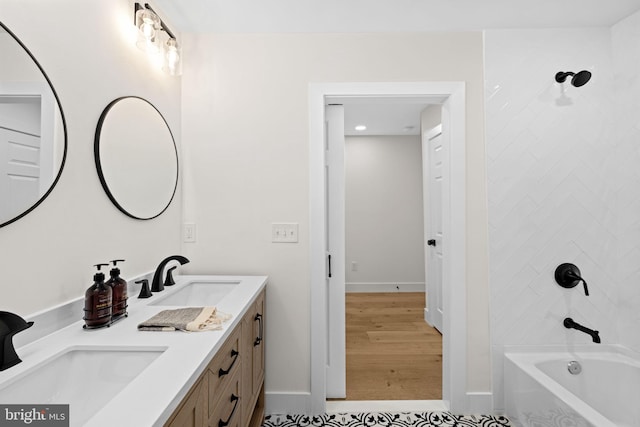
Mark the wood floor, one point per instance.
(392, 353)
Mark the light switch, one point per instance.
(189, 232)
(284, 233)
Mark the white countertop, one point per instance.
(151, 397)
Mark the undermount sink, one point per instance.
(85, 378)
(196, 293)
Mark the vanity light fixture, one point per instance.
(150, 28)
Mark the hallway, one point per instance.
(392, 353)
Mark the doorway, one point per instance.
(390, 352)
(454, 344)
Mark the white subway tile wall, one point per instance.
(564, 185)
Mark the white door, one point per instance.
(432, 161)
(335, 251)
(19, 171)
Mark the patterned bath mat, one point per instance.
(385, 419)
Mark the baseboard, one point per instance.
(385, 286)
(287, 403)
(426, 316)
(480, 403)
(355, 406)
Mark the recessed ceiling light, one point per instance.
(360, 128)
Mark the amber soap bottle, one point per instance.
(119, 290)
(98, 302)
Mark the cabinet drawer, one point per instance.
(228, 407)
(223, 366)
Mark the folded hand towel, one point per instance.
(186, 319)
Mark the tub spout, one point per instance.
(569, 323)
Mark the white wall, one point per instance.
(21, 67)
(553, 186)
(383, 212)
(626, 59)
(46, 257)
(245, 127)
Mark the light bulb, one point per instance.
(148, 24)
(172, 55)
(147, 29)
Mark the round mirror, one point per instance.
(136, 157)
(33, 137)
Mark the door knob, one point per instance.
(431, 242)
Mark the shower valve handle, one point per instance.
(568, 276)
(579, 279)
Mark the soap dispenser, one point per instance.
(98, 302)
(119, 290)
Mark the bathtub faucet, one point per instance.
(569, 323)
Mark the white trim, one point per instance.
(427, 317)
(454, 250)
(317, 267)
(276, 403)
(359, 406)
(384, 286)
(454, 271)
(434, 131)
(480, 403)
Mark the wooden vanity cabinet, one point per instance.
(253, 364)
(230, 393)
(193, 409)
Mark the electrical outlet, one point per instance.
(284, 233)
(354, 266)
(189, 232)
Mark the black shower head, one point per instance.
(579, 79)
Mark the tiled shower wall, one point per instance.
(554, 184)
(626, 55)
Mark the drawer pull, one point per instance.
(222, 372)
(259, 338)
(235, 399)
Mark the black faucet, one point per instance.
(10, 324)
(157, 285)
(569, 323)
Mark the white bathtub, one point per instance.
(541, 392)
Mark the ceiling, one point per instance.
(386, 116)
(383, 119)
(284, 16)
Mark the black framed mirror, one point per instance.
(136, 157)
(33, 131)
